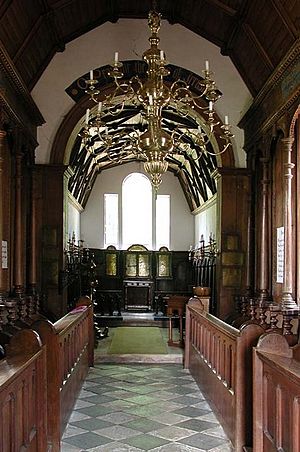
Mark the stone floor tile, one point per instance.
(64, 447)
(144, 425)
(118, 417)
(146, 442)
(173, 433)
(87, 440)
(114, 447)
(198, 425)
(72, 430)
(177, 447)
(189, 411)
(82, 404)
(216, 431)
(203, 441)
(76, 416)
(169, 418)
(92, 424)
(117, 432)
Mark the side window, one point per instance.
(111, 219)
(162, 221)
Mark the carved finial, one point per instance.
(154, 21)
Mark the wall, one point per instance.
(182, 221)
(206, 221)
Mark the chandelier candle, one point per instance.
(152, 97)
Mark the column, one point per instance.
(33, 232)
(2, 144)
(287, 288)
(18, 263)
(249, 253)
(263, 286)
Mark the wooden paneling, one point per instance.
(276, 390)
(22, 395)
(33, 31)
(219, 358)
(69, 343)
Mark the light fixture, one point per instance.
(153, 95)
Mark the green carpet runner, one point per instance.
(138, 341)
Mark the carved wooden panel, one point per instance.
(22, 395)
(256, 34)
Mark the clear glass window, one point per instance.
(111, 219)
(162, 221)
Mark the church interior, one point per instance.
(149, 225)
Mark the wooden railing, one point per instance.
(70, 344)
(22, 394)
(276, 395)
(220, 357)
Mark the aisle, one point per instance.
(142, 407)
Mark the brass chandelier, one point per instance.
(153, 95)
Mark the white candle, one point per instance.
(162, 55)
(99, 107)
(150, 99)
(91, 74)
(87, 115)
(226, 120)
(210, 105)
(116, 57)
(207, 65)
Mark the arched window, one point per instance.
(136, 211)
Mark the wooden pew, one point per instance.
(70, 350)
(276, 395)
(23, 400)
(220, 359)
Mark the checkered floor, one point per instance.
(141, 407)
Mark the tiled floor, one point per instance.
(142, 407)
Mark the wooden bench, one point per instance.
(22, 394)
(276, 395)
(70, 350)
(220, 359)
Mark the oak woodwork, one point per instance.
(69, 343)
(219, 358)
(241, 29)
(276, 395)
(22, 395)
(233, 191)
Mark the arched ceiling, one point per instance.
(256, 34)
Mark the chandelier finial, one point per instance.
(158, 144)
(154, 21)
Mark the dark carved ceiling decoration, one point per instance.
(192, 167)
(195, 175)
(256, 34)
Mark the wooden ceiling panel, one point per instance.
(247, 57)
(209, 21)
(17, 22)
(37, 51)
(256, 33)
(76, 18)
(291, 10)
(268, 22)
